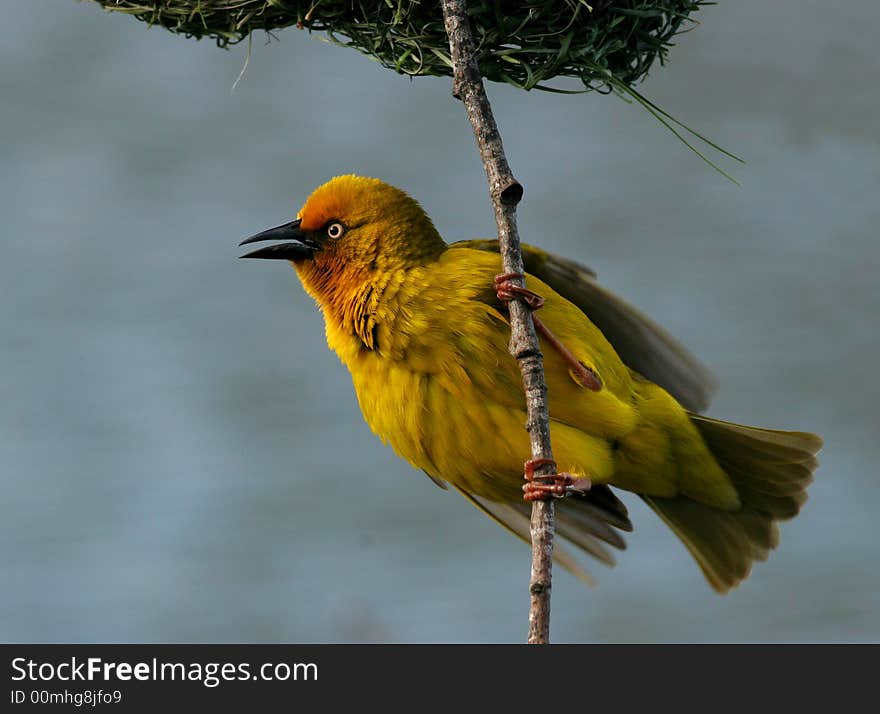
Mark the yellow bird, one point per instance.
(424, 334)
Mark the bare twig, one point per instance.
(506, 193)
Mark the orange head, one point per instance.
(351, 231)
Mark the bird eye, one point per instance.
(335, 230)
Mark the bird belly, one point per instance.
(463, 436)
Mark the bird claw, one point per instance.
(506, 290)
(556, 485)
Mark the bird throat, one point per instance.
(348, 300)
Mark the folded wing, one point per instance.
(642, 344)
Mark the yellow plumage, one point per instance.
(424, 336)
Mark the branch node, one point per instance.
(512, 193)
(528, 352)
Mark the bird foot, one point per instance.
(542, 488)
(506, 290)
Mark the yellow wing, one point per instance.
(642, 344)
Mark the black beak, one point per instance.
(297, 245)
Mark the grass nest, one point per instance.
(606, 44)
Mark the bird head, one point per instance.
(350, 230)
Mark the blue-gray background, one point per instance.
(182, 458)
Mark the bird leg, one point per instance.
(555, 485)
(507, 291)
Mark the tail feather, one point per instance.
(770, 471)
(585, 520)
(577, 515)
(599, 504)
(729, 440)
(776, 479)
(724, 544)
